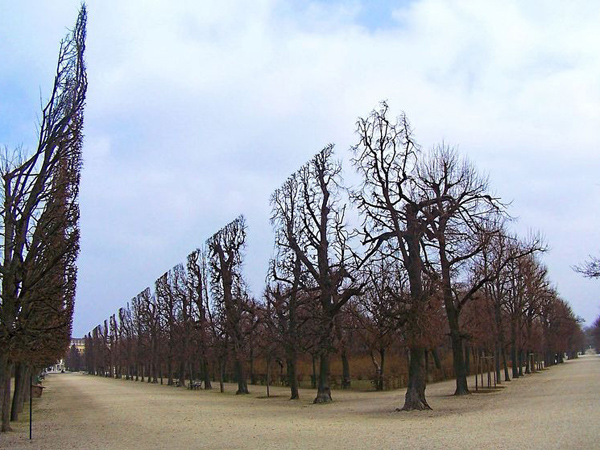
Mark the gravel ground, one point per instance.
(558, 408)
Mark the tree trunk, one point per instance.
(19, 394)
(513, 350)
(501, 339)
(346, 380)
(252, 375)
(181, 374)
(5, 372)
(240, 374)
(291, 345)
(381, 375)
(292, 376)
(417, 380)
(313, 378)
(206, 374)
(26, 390)
(323, 391)
(415, 393)
(460, 367)
(169, 372)
(438, 363)
(268, 380)
(154, 372)
(505, 365)
(520, 360)
(452, 314)
(498, 362)
(222, 375)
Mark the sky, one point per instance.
(197, 111)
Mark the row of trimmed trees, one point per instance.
(431, 266)
(39, 223)
(195, 310)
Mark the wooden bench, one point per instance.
(37, 390)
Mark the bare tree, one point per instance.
(39, 196)
(309, 217)
(590, 268)
(226, 258)
(284, 294)
(169, 309)
(461, 219)
(386, 157)
(495, 259)
(127, 333)
(150, 322)
(198, 293)
(141, 335)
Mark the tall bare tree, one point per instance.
(226, 258)
(284, 294)
(198, 293)
(39, 219)
(461, 219)
(309, 217)
(385, 157)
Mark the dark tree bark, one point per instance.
(323, 389)
(5, 371)
(380, 381)
(19, 395)
(346, 380)
(415, 392)
(313, 377)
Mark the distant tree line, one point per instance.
(431, 270)
(591, 269)
(39, 226)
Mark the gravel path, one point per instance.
(558, 408)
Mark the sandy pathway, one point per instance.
(558, 408)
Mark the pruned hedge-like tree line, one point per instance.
(415, 265)
(39, 223)
(428, 269)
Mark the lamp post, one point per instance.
(30, 404)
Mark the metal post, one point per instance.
(30, 404)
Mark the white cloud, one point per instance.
(198, 110)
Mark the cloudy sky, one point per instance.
(197, 111)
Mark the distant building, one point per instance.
(57, 367)
(79, 344)
(68, 361)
